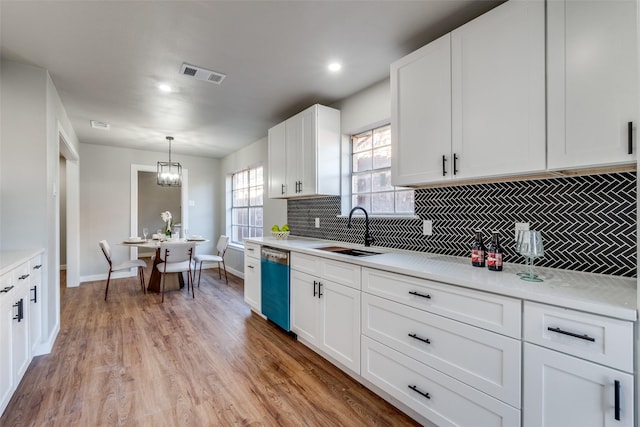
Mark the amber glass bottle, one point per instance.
(494, 253)
(477, 251)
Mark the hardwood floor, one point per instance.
(205, 362)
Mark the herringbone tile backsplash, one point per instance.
(588, 223)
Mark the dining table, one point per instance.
(155, 279)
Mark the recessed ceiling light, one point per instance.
(335, 67)
(164, 87)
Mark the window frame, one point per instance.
(258, 182)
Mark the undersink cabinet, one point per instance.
(304, 154)
(592, 64)
(471, 104)
(325, 314)
(252, 276)
(6, 371)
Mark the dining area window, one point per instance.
(247, 204)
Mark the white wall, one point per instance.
(31, 119)
(105, 201)
(366, 109)
(275, 210)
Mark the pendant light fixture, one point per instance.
(169, 173)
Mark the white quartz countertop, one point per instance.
(612, 296)
(11, 259)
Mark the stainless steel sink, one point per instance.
(347, 251)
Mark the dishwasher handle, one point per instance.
(276, 255)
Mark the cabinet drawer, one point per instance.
(493, 312)
(252, 250)
(336, 271)
(479, 358)
(589, 336)
(449, 402)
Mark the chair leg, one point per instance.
(193, 291)
(141, 274)
(164, 279)
(199, 274)
(225, 272)
(106, 291)
(219, 271)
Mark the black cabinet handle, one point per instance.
(425, 340)
(314, 288)
(19, 306)
(24, 276)
(320, 289)
(630, 137)
(422, 393)
(427, 296)
(616, 395)
(37, 267)
(250, 266)
(35, 294)
(455, 163)
(571, 334)
(6, 289)
(444, 165)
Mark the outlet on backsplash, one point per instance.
(520, 226)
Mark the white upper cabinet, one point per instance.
(498, 92)
(421, 114)
(472, 103)
(304, 154)
(592, 95)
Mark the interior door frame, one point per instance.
(184, 200)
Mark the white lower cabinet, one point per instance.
(482, 359)
(35, 302)
(434, 395)
(252, 276)
(6, 371)
(564, 391)
(326, 315)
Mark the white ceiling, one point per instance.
(107, 58)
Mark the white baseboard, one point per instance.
(116, 275)
(46, 346)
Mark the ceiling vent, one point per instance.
(202, 74)
(100, 125)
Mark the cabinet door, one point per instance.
(340, 319)
(252, 283)
(498, 91)
(35, 302)
(561, 390)
(6, 378)
(20, 345)
(421, 115)
(305, 307)
(592, 81)
(301, 157)
(277, 158)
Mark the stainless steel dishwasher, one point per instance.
(275, 285)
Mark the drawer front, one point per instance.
(21, 275)
(306, 263)
(341, 272)
(492, 312)
(449, 402)
(485, 360)
(600, 339)
(323, 268)
(252, 250)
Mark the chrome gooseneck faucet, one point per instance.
(368, 240)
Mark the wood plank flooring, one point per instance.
(205, 362)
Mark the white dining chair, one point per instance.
(221, 247)
(177, 257)
(124, 265)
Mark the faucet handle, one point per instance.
(368, 240)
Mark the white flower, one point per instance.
(166, 216)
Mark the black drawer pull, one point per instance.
(6, 289)
(630, 137)
(19, 306)
(616, 395)
(37, 267)
(427, 296)
(415, 388)
(571, 334)
(250, 266)
(425, 340)
(444, 167)
(24, 276)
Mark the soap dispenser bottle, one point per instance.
(494, 253)
(477, 251)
